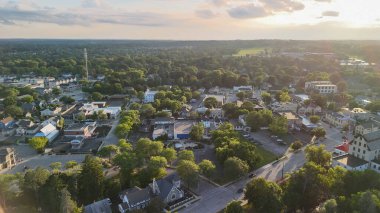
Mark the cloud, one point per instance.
(330, 13)
(14, 14)
(220, 3)
(95, 4)
(328, 1)
(247, 11)
(282, 5)
(206, 14)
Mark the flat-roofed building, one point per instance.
(182, 129)
(323, 87)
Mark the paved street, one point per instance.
(111, 138)
(216, 199)
(43, 161)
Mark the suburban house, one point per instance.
(6, 122)
(100, 107)
(149, 96)
(182, 129)
(167, 189)
(342, 149)
(356, 113)
(337, 119)
(51, 112)
(163, 126)
(284, 107)
(221, 99)
(293, 119)
(49, 131)
(365, 127)
(364, 153)
(310, 109)
(24, 125)
(243, 88)
(7, 158)
(216, 113)
(101, 206)
(322, 87)
(79, 129)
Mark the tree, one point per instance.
(56, 165)
(38, 143)
(10, 101)
(71, 164)
(266, 97)
(264, 196)
(6, 182)
(81, 116)
(67, 99)
(169, 154)
(210, 102)
(97, 96)
(318, 155)
(319, 132)
(330, 206)
(279, 125)
(207, 168)
(188, 171)
(296, 145)
(122, 130)
(240, 95)
(14, 111)
(27, 99)
(147, 111)
(145, 148)
(32, 182)
(67, 205)
(155, 205)
(235, 167)
(56, 91)
(102, 115)
(108, 151)
(234, 207)
(124, 146)
(186, 155)
(197, 132)
(314, 119)
(156, 167)
(91, 180)
(342, 86)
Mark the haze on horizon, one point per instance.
(190, 19)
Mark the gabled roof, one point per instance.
(7, 120)
(137, 195)
(343, 147)
(102, 206)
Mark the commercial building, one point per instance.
(322, 87)
(182, 129)
(49, 131)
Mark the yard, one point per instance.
(267, 156)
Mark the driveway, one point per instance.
(111, 138)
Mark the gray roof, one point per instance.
(102, 206)
(24, 123)
(27, 107)
(350, 160)
(373, 136)
(370, 123)
(136, 195)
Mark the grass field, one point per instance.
(266, 155)
(250, 51)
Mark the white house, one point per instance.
(49, 131)
(323, 87)
(149, 96)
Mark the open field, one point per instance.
(266, 155)
(250, 51)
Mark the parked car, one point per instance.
(252, 175)
(241, 190)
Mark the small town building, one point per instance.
(79, 129)
(322, 87)
(182, 129)
(49, 131)
(101, 206)
(6, 122)
(7, 158)
(149, 96)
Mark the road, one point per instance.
(111, 138)
(216, 199)
(43, 161)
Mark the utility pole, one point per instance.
(85, 59)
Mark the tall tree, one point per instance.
(235, 167)
(91, 180)
(197, 132)
(234, 207)
(264, 196)
(188, 171)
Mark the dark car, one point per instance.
(252, 175)
(241, 190)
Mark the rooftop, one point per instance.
(102, 206)
(183, 126)
(350, 160)
(77, 127)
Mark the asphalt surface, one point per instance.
(216, 199)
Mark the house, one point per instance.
(28, 107)
(368, 126)
(185, 111)
(243, 88)
(182, 129)
(284, 107)
(364, 153)
(51, 112)
(100, 107)
(356, 113)
(22, 126)
(163, 126)
(293, 119)
(149, 96)
(310, 109)
(101, 206)
(49, 131)
(216, 113)
(167, 189)
(7, 158)
(322, 87)
(6, 122)
(337, 119)
(79, 129)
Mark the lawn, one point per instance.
(250, 51)
(266, 155)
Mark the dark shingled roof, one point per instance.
(136, 195)
(102, 206)
(350, 160)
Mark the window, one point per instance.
(358, 150)
(173, 196)
(353, 148)
(365, 145)
(360, 143)
(363, 151)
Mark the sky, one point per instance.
(191, 19)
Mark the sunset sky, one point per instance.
(190, 19)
